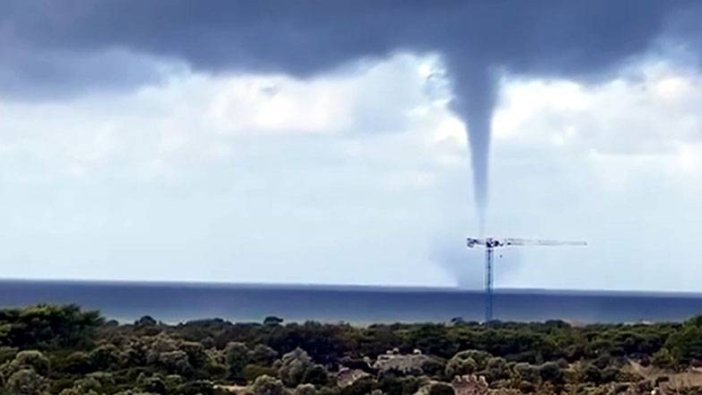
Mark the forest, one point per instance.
(50, 349)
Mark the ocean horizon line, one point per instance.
(400, 288)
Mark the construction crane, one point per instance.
(490, 244)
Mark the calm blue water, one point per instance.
(171, 302)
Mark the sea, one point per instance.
(362, 305)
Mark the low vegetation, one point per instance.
(65, 350)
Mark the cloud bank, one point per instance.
(57, 49)
(228, 126)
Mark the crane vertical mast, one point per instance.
(488, 283)
(490, 244)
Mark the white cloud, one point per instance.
(652, 114)
(356, 177)
(236, 178)
(614, 164)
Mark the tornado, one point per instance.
(473, 101)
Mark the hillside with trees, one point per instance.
(65, 350)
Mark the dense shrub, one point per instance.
(551, 372)
(266, 385)
(46, 327)
(30, 359)
(63, 350)
(252, 372)
(237, 357)
(295, 368)
(26, 382)
(467, 362)
(685, 345)
(78, 362)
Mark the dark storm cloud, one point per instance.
(44, 43)
(305, 37)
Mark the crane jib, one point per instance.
(491, 243)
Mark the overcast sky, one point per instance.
(326, 142)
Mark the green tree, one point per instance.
(663, 359)
(315, 374)
(293, 366)
(46, 327)
(175, 362)
(78, 363)
(467, 362)
(85, 386)
(152, 384)
(105, 357)
(551, 372)
(26, 382)
(685, 345)
(31, 359)
(237, 357)
(252, 372)
(266, 385)
(262, 355)
(527, 372)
